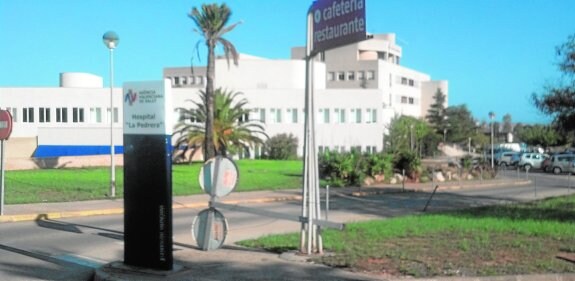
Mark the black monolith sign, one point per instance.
(147, 175)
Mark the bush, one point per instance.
(281, 147)
(408, 161)
(351, 168)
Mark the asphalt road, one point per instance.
(68, 249)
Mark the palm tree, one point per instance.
(211, 22)
(232, 131)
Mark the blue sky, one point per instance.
(495, 53)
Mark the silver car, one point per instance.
(532, 160)
(561, 163)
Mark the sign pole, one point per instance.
(2, 176)
(148, 175)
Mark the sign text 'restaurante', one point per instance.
(338, 22)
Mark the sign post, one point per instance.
(148, 175)
(330, 24)
(5, 131)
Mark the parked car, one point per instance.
(509, 159)
(561, 163)
(532, 160)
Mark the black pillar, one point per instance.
(148, 201)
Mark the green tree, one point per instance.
(539, 135)
(461, 124)
(211, 22)
(232, 131)
(436, 115)
(282, 147)
(558, 100)
(407, 133)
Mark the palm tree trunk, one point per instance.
(209, 148)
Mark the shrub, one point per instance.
(408, 161)
(351, 168)
(281, 147)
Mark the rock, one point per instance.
(379, 178)
(469, 177)
(398, 177)
(455, 177)
(368, 181)
(439, 177)
(393, 180)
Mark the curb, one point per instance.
(117, 211)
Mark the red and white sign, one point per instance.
(5, 124)
(337, 23)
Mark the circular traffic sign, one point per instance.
(219, 176)
(5, 124)
(210, 229)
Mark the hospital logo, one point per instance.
(130, 97)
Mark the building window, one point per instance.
(293, 113)
(258, 114)
(404, 99)
(276, 115)
(200, 80)
(411, 82)
(116, 115)
(324, 115)
(403, 81)
(411, 100)
(176, 81)
(371, 75)
(44, 115)
(28, 115)
(95, 115)
(341, 76)
(14, 112)
(351, 75)
(331, 76)
(78, 115)
(62, 115)
(371, 115)
(361, 75)
(340, 115)
(357, 115)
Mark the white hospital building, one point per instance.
(359, 88)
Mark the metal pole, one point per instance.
(568, 182)
(403, 180)
(327, 202)
(2, 176)
(492, 163)
(112, 162)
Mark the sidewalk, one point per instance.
(237, 263)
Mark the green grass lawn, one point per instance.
(496, 240)
(61, 185)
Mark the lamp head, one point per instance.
(111, 39)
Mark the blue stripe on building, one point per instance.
(75, 150)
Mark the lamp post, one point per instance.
(111, 41)
(411, 137)
(491, 117)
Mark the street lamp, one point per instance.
(111, 41)
(411, 137)
(491, 117)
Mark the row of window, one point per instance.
(292, 115)
(351, 75)
(342, 148)
(60, 115)
(407, 81)
(180, 81)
